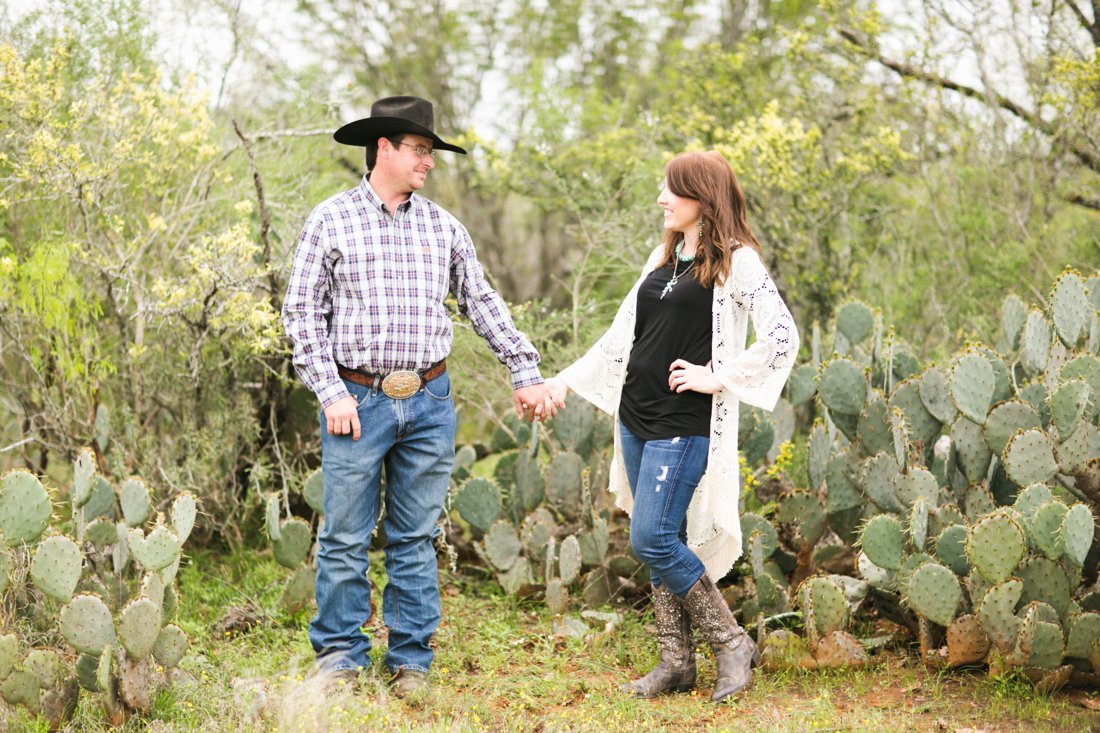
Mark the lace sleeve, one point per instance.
(757, 374)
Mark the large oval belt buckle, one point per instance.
(401, 385)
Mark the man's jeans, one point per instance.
(663, 475)
(414, 439)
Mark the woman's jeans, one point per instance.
(663, 475)
(414, 439)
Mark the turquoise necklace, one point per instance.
(676, 274)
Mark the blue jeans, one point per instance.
(414, 440)
(663, 475)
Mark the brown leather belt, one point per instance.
(397, 385)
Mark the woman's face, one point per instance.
(681, 214)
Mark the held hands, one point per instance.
(534, 401)
(342, 417)
(683, 375)
(558, 390)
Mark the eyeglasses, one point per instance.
(421, 151)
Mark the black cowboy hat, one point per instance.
(394, 115)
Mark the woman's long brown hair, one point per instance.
(708, 178)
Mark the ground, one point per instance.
(503, 664)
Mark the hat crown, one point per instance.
(413, 109)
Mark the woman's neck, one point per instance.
(691, 242)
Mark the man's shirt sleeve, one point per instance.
(488, 313)
(307, 309)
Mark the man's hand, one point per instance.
(343, 417)
(534, 401)
(683, 375)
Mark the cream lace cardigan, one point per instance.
(753, 375)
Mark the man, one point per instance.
(366, 313)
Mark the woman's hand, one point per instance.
(558, 390)
(683, 375)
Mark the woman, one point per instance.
(672, 369)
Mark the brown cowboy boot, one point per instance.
(675, 672)
(735, 652)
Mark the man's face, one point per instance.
(407, 163)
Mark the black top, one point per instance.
(675, 327)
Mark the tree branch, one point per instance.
(990, 98)
(1092, 27)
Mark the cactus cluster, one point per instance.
(109, 590)
(963, 495)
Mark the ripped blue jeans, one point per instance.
(663, 475)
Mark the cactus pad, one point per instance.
(878, 482)
(297, 593)
(873, 429)
(972, 452)
(25, 508)
(594, 543)
(1077, 531)
(922, 425)
(557, 596)
(883, 541)
(805, 511)
(313, 489)
(842, 386)
(86, 666)
(935, 393)
(972, 385)
(102, 501)
(135, 501)
(1087, 367)
(801, 388)
(1084, 630)
(855, 320)
(502, 545)
(919, 483)
(1047, 646)
(951, 548)
(918, 523)
(86, 624)
(21, 688)
(564, 477)
(842, 493)
(1030, 499)
(272, 514)
(967, 642)
(83, 476)
(1070, 306)
(1068, 404)
(529, 489)
(1029, 458)
(139, 626)
(478, 501)
(1005, 420)
(569, 559)
(158, 550)
(56, 567)
(818, 451)
(995, 545)
(824, 601)
(9, 654)
(998, 613)
(292, 547)
(1046, 529)
(769, 539)
(1035, 341)
(184, 511)
(170, 646)
(1013, 316)
(1046, 581)
(934, 593)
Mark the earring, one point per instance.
(700, 228)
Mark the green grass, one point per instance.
(500, 667)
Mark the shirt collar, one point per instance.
(376, 201)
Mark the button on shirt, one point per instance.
(368, 291)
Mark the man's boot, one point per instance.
(675, 672)
(735, 652)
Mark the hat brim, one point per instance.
(367, 130)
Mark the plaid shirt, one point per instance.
(368, 291)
